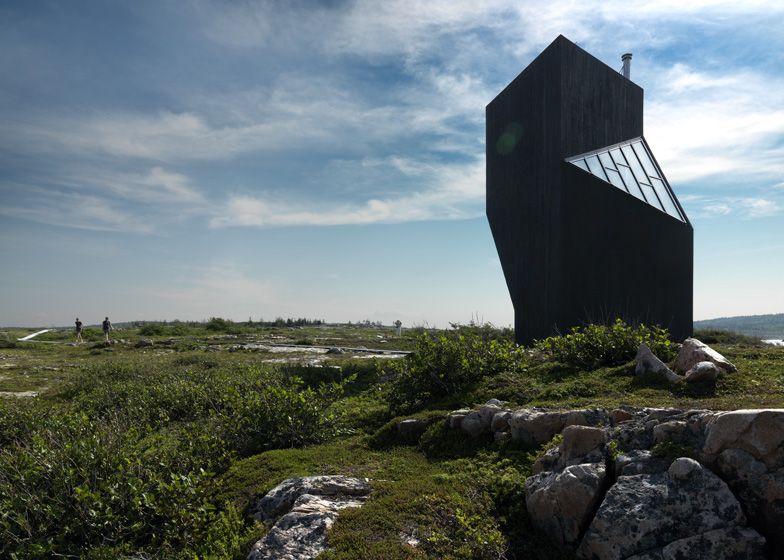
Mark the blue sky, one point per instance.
(163, 160)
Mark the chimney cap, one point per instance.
(626, 56)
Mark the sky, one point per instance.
(190, 159)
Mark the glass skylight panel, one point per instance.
(630, 167)
(647, 164)
(581, 164)
(596, 167)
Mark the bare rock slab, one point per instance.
(695, 351)
(305, 507)
(281, 499)
(645, 512)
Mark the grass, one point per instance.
(168, 408)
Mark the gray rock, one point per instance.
(760, 492)
(694, 351)
(735, 543)
(620, 415)
(561, 503)
(456, 418)
(639, 461)
(335, 350)
(301, 534)
(648, 511)
(676, 431)
(758, 432)
(659, 414)
(547, 462)
(500, 421)
(536, 427)
(496, 402)
(583, 443)
(684, 467)
(281, 498)
(143, 343)
(473, 424)
(702, 371)
(647, 362)
(487, 412)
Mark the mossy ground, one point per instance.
(457, 498)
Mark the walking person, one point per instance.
(107, 326)
(78, 324)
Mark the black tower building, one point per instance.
(586, 225)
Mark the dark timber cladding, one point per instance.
(574, 248)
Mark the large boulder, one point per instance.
(758, 432)
(694, 351)
(561, 503)
(648, 363)
(648, 511)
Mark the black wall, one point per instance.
(564, 103)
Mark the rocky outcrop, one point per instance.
(302, 510)
(648, 511)
(651, 483)
(694, 351)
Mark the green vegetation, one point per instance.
(162, 451)
(595, 346)
(447, 363)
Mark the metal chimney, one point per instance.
(627, 65)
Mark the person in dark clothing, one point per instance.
(78, 324)
(107, 326)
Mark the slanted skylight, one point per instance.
(630, 167)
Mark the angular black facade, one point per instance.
(575, 248)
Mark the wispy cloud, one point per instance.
(704, 124)
(454, 193)
(78, 211)
(698, 206)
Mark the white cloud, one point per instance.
(454, 193)
(72, 210)
(744, 207)
(705, 124)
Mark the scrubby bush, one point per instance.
(122, 462)
(152, 329)
(595, 346)
(447, 363)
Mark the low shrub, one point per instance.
(446, 364)
(128, 455)
(152, 329)
(594, 346)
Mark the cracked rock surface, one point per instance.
(305, 508)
